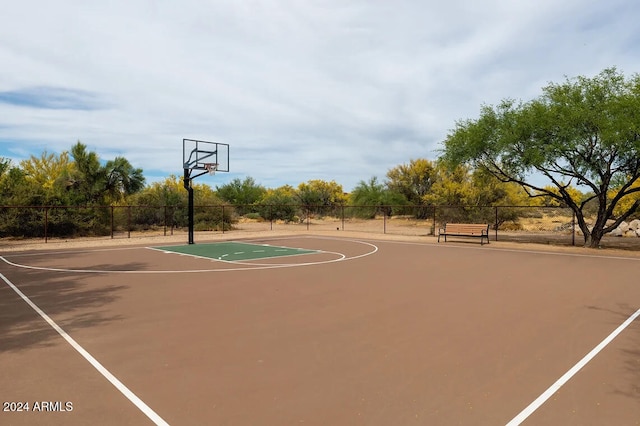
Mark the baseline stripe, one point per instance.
(152, 415)
(569, 374)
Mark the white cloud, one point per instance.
(300, 90)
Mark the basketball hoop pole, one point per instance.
(199, 158)
(187, 186)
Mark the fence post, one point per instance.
(342, 214)
(112, 222)
(308, 218)
(573, 228)
(384, 221)
(128, 221)
(270, 217)
(496, 225)
(223, 218)
(173, 218)
(46, 224)
(434, 221)
(165, 220)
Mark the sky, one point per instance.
(339, 90)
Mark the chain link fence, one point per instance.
(551, 225)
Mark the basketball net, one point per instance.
(211, 168)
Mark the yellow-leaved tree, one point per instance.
(413, 181)
(45, 172)
(319, 196)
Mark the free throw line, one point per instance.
(152, 415)
(569, 374)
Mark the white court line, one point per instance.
(340, 257)
(569, 374)
(152, 415)
(454, 246)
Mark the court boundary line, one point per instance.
(537, 403)
(453, 245)
(340, 257)
(126, 392)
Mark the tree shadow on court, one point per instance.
(70, 300)
(631, 354)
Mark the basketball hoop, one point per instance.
(211, 168)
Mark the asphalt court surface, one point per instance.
(344, 332)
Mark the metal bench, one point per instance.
(472, 230)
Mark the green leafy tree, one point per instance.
(90, 183)
(373, 197)
(279, 204)
(12, 183)
(15, 187)
(121, 179)
(86, 180)
(584, 131)
(210, 214)
(16, 192)
(242, 194)
(413, 181)
(5, 163)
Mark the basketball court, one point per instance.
(316, 330)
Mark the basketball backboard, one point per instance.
(200, 155)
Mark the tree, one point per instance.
(374, 197)
(279, 204)
(319, 196)
(413, 181)
(121, 179)
(584, 131)
(13, 184)
(16, 191)
(627, 202)
(86, 179)
(169, 194)
(450, 186)
(89, 182)
(210, 213)
(465, 195)
(44, 174)
(548, 201)
(45, 170)
(241, 193)
(5, 165)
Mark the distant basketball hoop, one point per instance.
(200, 158)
